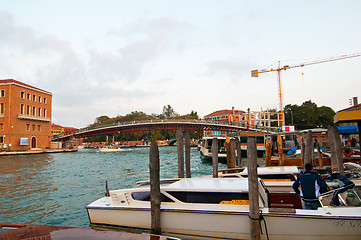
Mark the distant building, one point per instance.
(254, 119)
(57, 130)
(25, 116)
(227, 116)
(70, 130)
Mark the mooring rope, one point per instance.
(260, 219)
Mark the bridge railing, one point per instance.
(173, 120)
(137, 122)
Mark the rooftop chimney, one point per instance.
(355, 101)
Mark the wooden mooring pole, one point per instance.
(268, 153)
(180, 151)
(154, 188)
(239, 153)
(303, 146)
(230, 148)
(308, 148)
(280, 150)
(187, 154)
(330, 134)
(336, 149)
(215, 157)
(253, 188)
(320, 159)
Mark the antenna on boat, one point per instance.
(107, 194)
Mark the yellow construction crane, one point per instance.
(254, 73)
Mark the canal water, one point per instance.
(53, 189)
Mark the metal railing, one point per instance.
(190, 121)
(172, 120)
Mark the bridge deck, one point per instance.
(152, 125)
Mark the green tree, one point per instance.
(102, 120)
(169, 112)
(193, 115)
(308, 115)
(325, 116)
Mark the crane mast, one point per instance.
(254, 73)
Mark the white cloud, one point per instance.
(116, 57)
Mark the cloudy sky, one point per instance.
(112, 57)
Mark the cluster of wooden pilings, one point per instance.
(252, 163)
(308, 153)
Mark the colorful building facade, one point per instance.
(57, 130)
(269, 119)
(226, 116)
(25, 116)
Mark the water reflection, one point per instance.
(55, 188)
(27, 181)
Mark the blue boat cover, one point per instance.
(291, 151)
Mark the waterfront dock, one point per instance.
(38, 151)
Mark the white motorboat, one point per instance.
(219, 207)
(276, 179)
(205, 147)
(110, 149)
(281, 178)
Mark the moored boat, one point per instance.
(219, 207)
(205, 148)
(110, 149)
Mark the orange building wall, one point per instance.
(15, 122)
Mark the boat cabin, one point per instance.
(280, 174)
(233, 191)
(196, 190)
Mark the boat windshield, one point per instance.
(211, 197)
(351, 197)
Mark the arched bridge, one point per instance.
(153, 125)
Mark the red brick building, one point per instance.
(228, 116)
(56, 130)
(70, 130)
(25, 116)
(225, 115)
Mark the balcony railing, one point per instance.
(32, 117)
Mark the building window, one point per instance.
(34, 111)
(39, 128)
(45, 100)
(33, 127)
(44, 114)
(22, 108)
(2, 93)
(28, 127)
(39, 98)
(22, 95)
(28, 110)
(34, 97)
(39, 112)
(1, 126)
(2, 108)
(28, 96)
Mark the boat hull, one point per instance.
(233, 224)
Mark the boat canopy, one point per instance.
(209, 184)
(275, 170)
